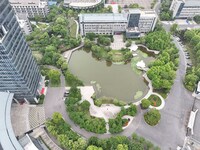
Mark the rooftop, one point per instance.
(192, 3)
(107, 17)
(7, 136)
(27, 2)
(81, 3)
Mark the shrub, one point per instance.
(145, 103)
(152, 117)
(41, 99)
(155, 100)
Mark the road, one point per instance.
(171, 130)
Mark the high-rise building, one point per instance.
(30, 7)
(185, 8)
(19, 72)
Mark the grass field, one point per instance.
(73, 27)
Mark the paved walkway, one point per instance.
(118, 42)
(67, 55)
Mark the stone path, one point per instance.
(36, 116)
(118, 42)
(49, 141)
(67, 54)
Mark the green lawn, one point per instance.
(73, 27)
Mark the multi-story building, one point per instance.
(82, 4)
(19, 72)
(185, 8)
(30, 7)
(132, 22)
(102, 23)
(24, 23)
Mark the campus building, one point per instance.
(82, 4)
(19, 72)
(24, 23)
(30, 7)
(185, 8)
(133, 23)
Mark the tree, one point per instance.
(189, 34)
(85, 105)
(129, 42)
(174, 28)
(122, 147)
(119, 9)
(54, 76)
(92, 147)
(127, 56)
(197, 19)
(152, 117)
(195, 40)
(145, 103)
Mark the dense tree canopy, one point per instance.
(163, 70)
(192, 39)
(79, 113)
(165, 13)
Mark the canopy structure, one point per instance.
(133, 47)
(7, 137)
(141, 64)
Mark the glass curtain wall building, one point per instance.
(19, 72)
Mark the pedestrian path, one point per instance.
(48, 141)
(36, 116)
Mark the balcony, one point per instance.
(3, 33)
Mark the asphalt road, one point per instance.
(171, 130)
(168, 134)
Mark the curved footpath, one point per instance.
(171, 130)
(168, 134)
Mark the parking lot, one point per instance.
(143, 3)
(186, 53)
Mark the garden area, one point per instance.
(192, 41)
(48, 42)
(52, 75)
(68, 139)
(115, 125)
(152, 117)
(162, 71)
(79, 113)
(107, 100)
(155, 100)
(99, 45)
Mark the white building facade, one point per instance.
(185, 8)
(24, 23)
(133, 22)
(31, 8)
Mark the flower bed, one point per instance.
(155, 100)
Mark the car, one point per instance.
(187, 57)
(189, 64)
(65, 95)
(67, 92)
(187, 54)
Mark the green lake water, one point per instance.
(110, 80)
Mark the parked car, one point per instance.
(65, 95)
(187, 57)
(67, 92)
(189, 64)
